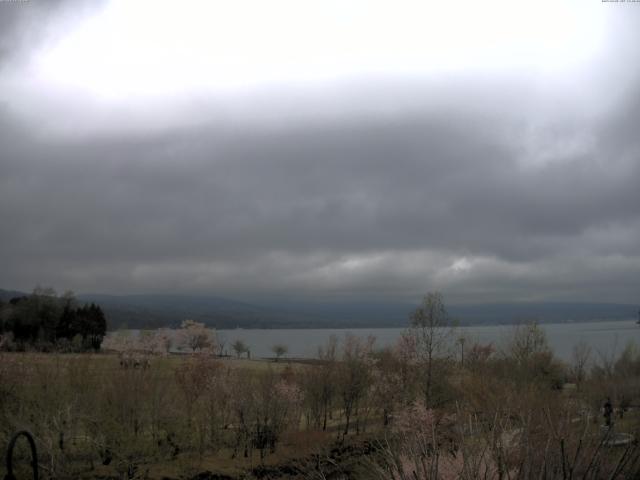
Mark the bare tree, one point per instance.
(354, 375)
(431, 329)
(527, 341)
(580, 357)
(327, 355)
(279, 350)
(239, 347)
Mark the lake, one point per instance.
(605, 338)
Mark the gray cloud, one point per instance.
(31, 23)
(486, 188)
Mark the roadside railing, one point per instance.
(34, 455)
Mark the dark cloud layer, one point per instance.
(489, 189)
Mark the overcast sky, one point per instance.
(490, 150)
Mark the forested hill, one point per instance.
(150, 311)
(6, 295)
(170, 310)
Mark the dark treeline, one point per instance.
(45, 321)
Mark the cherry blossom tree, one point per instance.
(196, 337)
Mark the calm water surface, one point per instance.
(605, 338)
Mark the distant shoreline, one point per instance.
(392, 326)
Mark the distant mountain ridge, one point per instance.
(6, 295)
(168, 310)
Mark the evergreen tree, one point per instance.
(66, 323)
(45, 318)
